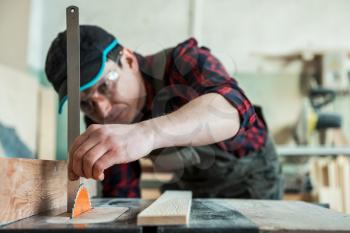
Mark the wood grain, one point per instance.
(30, 186)
(171, 208)
(291, 216)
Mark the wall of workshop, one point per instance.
(240, 31)
(235, 30)
(18, 89)
(243, 29)
(14, 27)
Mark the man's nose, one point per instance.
(103, 107)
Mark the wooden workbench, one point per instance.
(208, 215)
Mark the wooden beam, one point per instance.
(31, 186)
(331, 196)
(172, 208)
(344, 169)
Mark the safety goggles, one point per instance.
(105, 87)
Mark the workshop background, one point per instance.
(291, 57)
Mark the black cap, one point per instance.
(95, 45)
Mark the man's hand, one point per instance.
(207, 119)
(102, 146)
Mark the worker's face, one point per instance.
(118, 97)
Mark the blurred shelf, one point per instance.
(313, 151)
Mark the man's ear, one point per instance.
(130, 59)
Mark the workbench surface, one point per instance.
(207, 215)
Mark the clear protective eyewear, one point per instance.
(105, 88)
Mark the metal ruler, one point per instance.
(73, 76)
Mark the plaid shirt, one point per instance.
(189, 71)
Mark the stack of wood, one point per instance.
(330, 177)
(152, 180)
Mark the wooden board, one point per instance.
(30, 186)
(344, 168)
(290, 216)
(96, 215)
(333, 175)
(172, 208)
(314, 176)
(331, 196)
(323, 171)
(331, 181)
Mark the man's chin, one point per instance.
(121, 119)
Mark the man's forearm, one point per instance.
(205, 120)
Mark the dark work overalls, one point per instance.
(209, 171)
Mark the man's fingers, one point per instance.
(91, 157)
(82, 138)
(71, 174)
(104, 162)
(77, 158)
(73, 149)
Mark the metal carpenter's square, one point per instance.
(73, 76)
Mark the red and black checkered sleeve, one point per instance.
(206, 74)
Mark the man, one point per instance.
(179, 105)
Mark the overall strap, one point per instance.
(158, 67)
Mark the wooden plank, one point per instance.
(345, 161)
(150, 193)
(322, 166)
(331, 196)
(207, 216)
(30, 186)
(333, 175)
(314, 176)
(172, 208)
(334, 193)
(343, 166)
(340, 171)
(290, 216)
